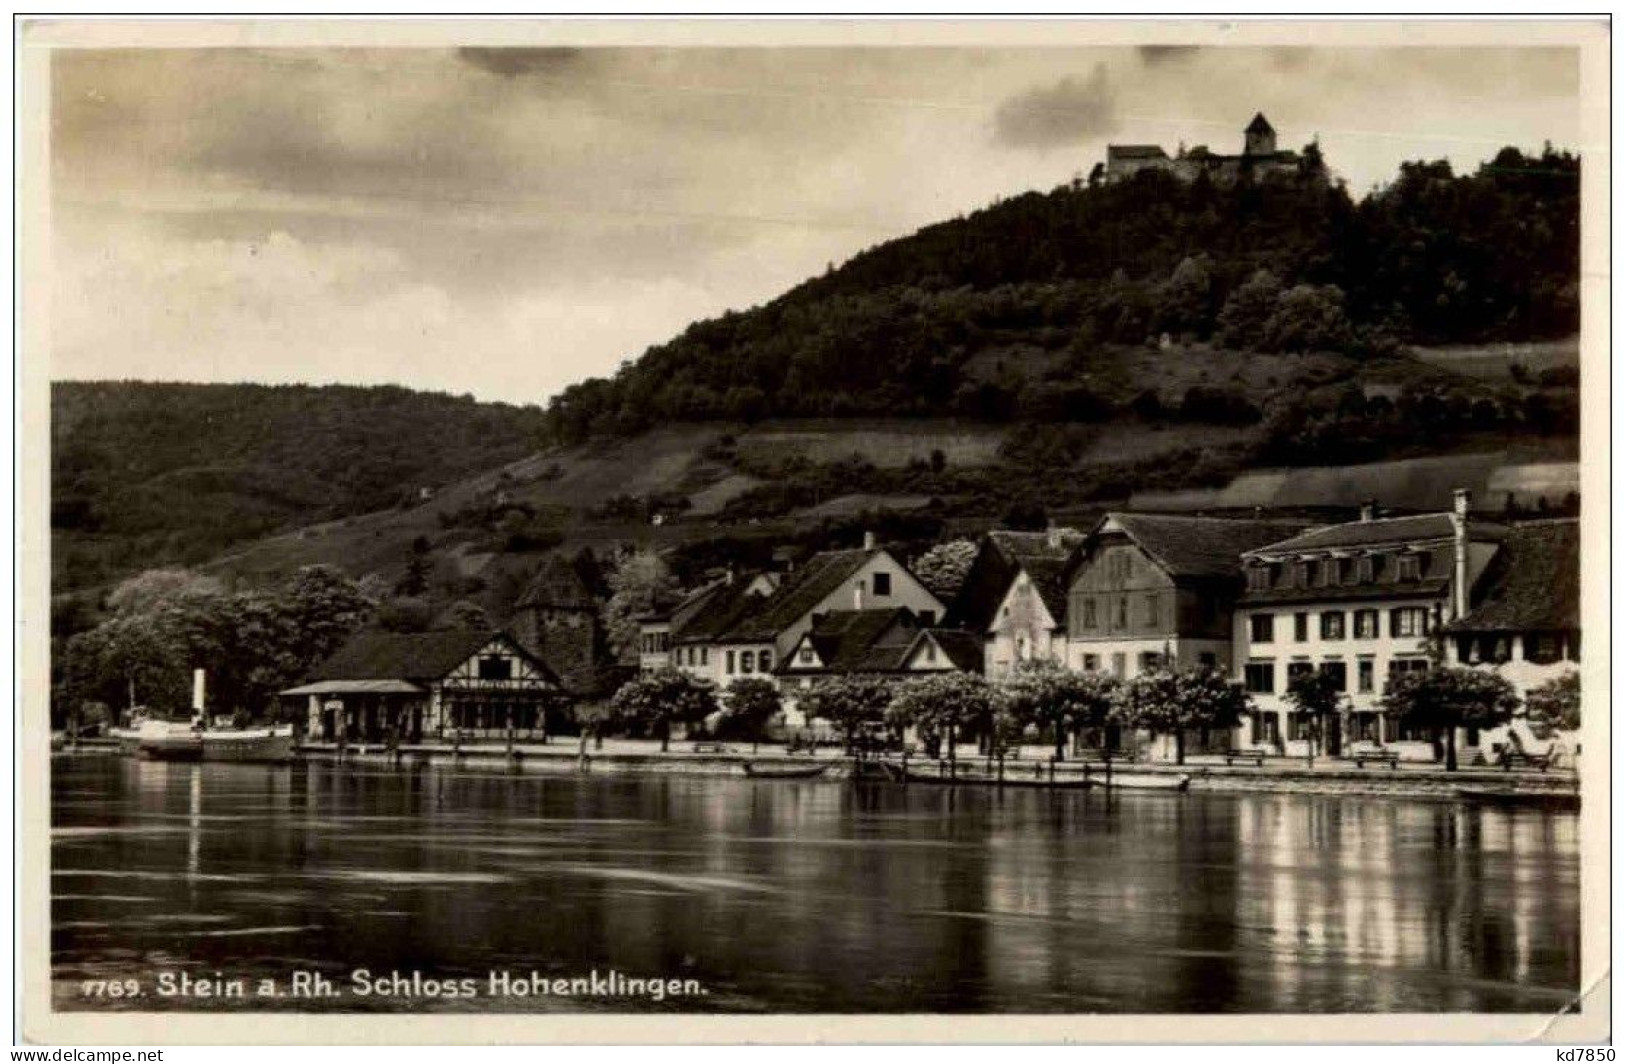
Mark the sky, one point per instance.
(504, 222)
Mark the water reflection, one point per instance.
(814, 896)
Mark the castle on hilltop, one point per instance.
(1259, 158)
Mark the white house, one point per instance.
(1359, 601)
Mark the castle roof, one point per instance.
(1135, 151)
(1260, 124)
(560, 583)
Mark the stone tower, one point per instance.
(556, 618)
(1260, 137)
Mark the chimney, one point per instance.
(1368, 510)
(868, 541)
(857, 595)
(1462, 503)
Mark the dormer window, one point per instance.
(1410, 567)
(1258, 578)
(1365, 569)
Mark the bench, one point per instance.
(710, 748)
(1380, 757)
(1510, 758)
(1255, 756)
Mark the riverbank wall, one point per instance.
(1324, 776)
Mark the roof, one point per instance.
(1190, 546)
(1380, 532)
(561, 583)
(852, 640)
(356, 687)
(962, 649)
(1259, 124)
(823, 574)
(1135, 151)
(1534, 583)
(1003, 554)
(415, 656)
(710, 612)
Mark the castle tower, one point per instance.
(1260, 136)
(557, 620)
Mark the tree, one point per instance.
(1168, 702)
(1316, 694)
(1308, 318)
(855, 703)
(1451, 697)
(1053, 697)
(946, 704)
(1556, 703)
(1246, 311)
(751, 703)
(656, 699)
(466, 614)
(636, 586)
(1026, 516)
(944, 567)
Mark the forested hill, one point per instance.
(988, 316)
(151, 474)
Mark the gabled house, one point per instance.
(943, 650)
(758, 635)
(1014, 596)
(844, 642)
(1362, 601)
(417, 685)
(1525, 623)
(1154, 590)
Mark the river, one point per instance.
(787, 896)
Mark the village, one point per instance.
(1424, 639)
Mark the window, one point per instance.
(1295, 669)
(1021, 648)
(806, 656)
(1410, 567)
(705, 655)
(1408, 622)
(1089, 619)
(1091, 663)
(1122, 612)
(1368, 676)
(1542, 648)
(1258, 578)
(747, 662)
(1366, 624)
(1365, 569)
(1260, 677)
(1338, 671)
(728, 663)
(496, 667)
(930, 650)
(1150, 661)
(1331, 624)
(764, 661)
(1207, 660)
(1300, 627)
(1119, 664)
(1153, 610)
(1400, 666)
(1297, 726)
(882, 584)
(1263, 625)
(1266, 727)
(1303, 572)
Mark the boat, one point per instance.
(1144, 781)
(167, 740)
(770, 770)
(1529, 799)
(978, 776)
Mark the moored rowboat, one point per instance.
(771, 771)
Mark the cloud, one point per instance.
(1064, 113)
